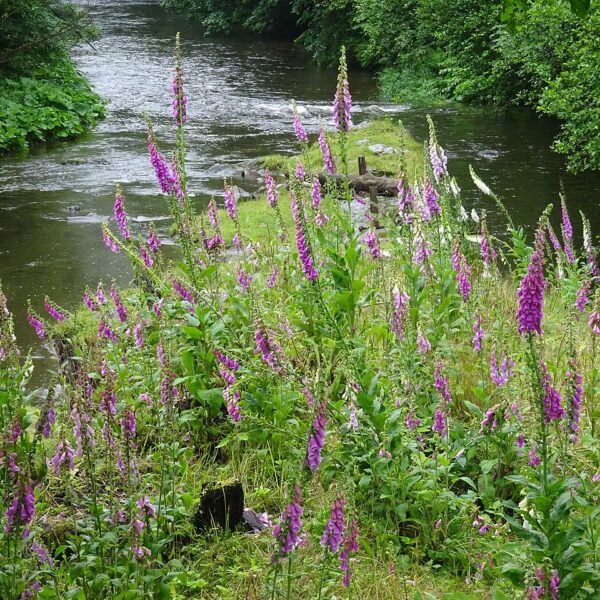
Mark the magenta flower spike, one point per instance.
(287, 532)
(350, 546)
(327, 160)
(400, 302)
(299, 130)
(87, 300)
(303, 250)
(531, 290)
(438, 159)
(582, 296)
(146, 257)
(230, 204)
(110, 242)
(431, 197)
(553, 410)
(160, 165)
(300, 172)
(121, 215)
(37, 324)
(333, 535)
(316, 440)
(53, 311)
(441, 383)
(244, 278)
(154, 242)
(478, 334)
(272, 278)
(121, 310)
(372, 242)
(272, 191)
(439, 422)
(567, 230)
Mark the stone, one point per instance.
(382, 149)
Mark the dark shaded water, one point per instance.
(240, 91)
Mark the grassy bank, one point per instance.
(259, 220)
(51, 103)
(417, 420)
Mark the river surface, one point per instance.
(239, 95)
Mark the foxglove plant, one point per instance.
(574, 385)
(316, 440)
(342, 102)
(301, 242)
(437, 157)
(531, 290)
(121, 215)
(287, 532)
(53, 310)
(350, 546)
(327, 160)
(272, 191)
(372, 242)
(567, 231)
(478, 334)
(400, 301)
(333, 535)
(299, 130)
(230, 204)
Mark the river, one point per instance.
(240, 91)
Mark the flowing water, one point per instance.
(240, 91)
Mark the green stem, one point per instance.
(289, 577)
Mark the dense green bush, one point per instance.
(485, 52)
(41, 94)
(57, 105)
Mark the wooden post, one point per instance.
(362, 165)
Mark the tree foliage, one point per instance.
(41, 93)
(538, 53)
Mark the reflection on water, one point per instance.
(240, 91)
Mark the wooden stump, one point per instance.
(222, 505)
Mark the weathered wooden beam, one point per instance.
(385, 186)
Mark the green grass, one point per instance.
(258, 220)
(385, 131)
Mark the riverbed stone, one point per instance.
(380, 149)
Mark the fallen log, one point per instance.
(385, 186)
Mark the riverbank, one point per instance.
(322, 415)
(53, 102)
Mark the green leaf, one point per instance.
(487, 465)
(364, 482)
(187, 359)
(473, 408)
(192, 332)
(580, 7)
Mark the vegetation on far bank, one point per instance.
(42, 96)
(506, 53)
